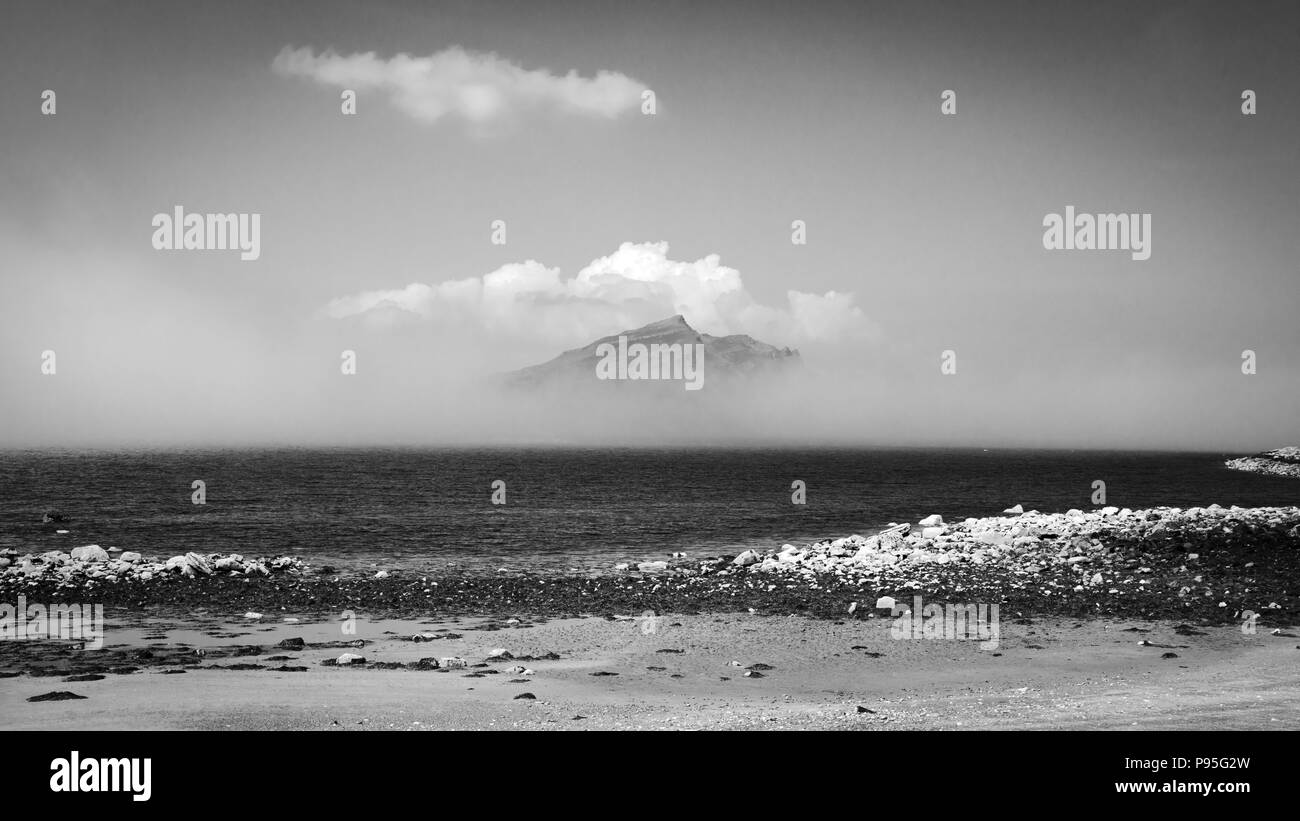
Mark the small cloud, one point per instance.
(475, 86)
(633, 286)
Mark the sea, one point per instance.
(565, 509)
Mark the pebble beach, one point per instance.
(1167, 585)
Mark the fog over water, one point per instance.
(924, 232)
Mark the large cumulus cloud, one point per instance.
(633, 286)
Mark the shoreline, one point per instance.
(1209, 563)
(801, 637)
(735, 671)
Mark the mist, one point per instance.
(824, 202)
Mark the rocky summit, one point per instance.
(1279, 462)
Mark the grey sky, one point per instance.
(766, 114)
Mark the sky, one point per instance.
(924, 230)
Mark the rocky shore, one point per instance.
(1092, 545)
(1211, 563)
(1280, 462)
(89, 565)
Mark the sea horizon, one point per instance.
(198, 447)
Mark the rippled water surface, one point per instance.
(565, 508)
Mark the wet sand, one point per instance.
(1049, 672)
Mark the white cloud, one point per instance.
(476, 86)
(635, 285)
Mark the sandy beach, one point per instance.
(674, 672)
(1111, 619)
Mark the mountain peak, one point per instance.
(727, 356)
(673, 323)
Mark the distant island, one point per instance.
(669, 349)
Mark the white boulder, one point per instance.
(232, 562)
(90, 553)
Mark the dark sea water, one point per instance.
(423, 509)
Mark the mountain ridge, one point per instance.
(725, 357)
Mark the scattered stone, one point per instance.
(350, 658)
(57, 695)
(526, 696)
